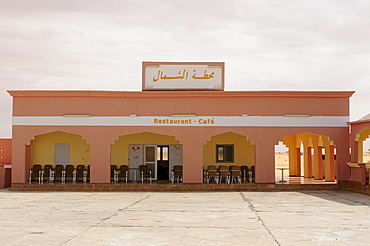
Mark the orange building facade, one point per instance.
(161, 129)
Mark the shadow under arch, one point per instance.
(43, 149)
(243, 150)
(317, 152)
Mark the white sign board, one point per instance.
(183, 76)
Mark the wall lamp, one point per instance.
(297, 115)
(183, 115)
(77, 115)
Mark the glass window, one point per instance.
(225, 153)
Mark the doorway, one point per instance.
(62, 154)
(163, 162)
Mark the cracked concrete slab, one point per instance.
(191, 218)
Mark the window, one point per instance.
(225, 153)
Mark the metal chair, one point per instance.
(80, 173)
(176, 173)
(212, 174)
(88, 173)
(36, 173)
(235, 174)
(252, 174)
(145, 173)
(69, 173)
(224, 174)
(244, 173)
(113, 169)
(121, 173)
(58, 172)
(48, 173)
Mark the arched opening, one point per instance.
(230, 150)
(159, 153)
(281, 161)
(311, 156)
(366, 150)
(60, 156)
(59, 148)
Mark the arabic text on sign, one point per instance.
(183, 75)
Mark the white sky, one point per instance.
(265, 44)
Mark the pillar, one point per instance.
(330, 165)
(298, 151)
(320, 172)
(309, 162)
(305, 161)
(192, 160)
(265, 160)
(99, 162)
(359, 151)
(293, 171)
(20, 170)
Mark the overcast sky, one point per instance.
(265, 44)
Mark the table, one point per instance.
(282, 173)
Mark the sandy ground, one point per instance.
(281, 160)
(322, 218)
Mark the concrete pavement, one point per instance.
(184, 218)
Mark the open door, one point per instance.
(163, 162)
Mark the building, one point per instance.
(189, 126)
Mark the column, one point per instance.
(265, 160)
(329, 163)
(192, 158)
(309, 161)
(20, 171)
(298, 150)
(319, 163)
(100, 162)
(293, 171)
(305, 161)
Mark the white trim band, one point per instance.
(262, 121)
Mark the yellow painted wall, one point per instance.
(243, 150)
(43, 148)
(120, 150)
(291, 143)
(308, 140)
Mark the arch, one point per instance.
(244, 150)
(360, 139)
(314, 164)
(42, 148)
